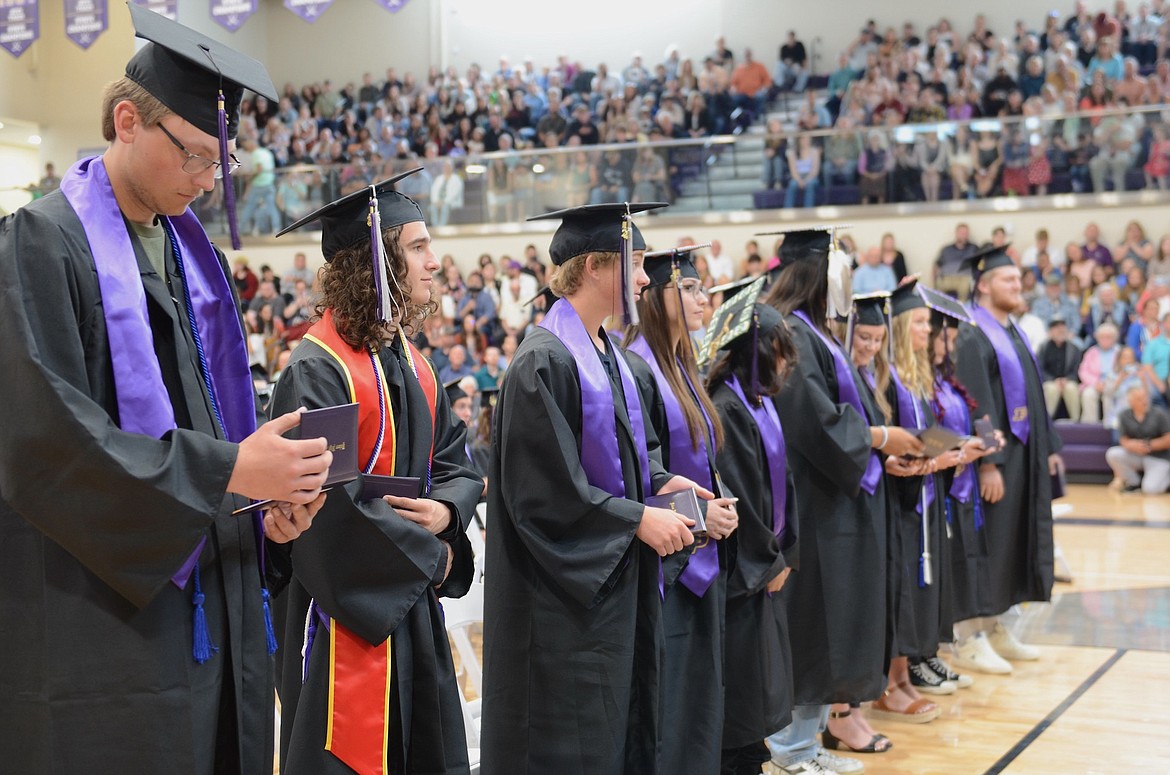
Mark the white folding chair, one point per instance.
(477, 542)
(460, 614)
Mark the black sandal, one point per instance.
(877, 744)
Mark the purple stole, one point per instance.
(144, 406)
(956, 416)
(1011, 371)
(703, 567)
(599, 443)
(772, 437)
(847, 393)
(910, 410)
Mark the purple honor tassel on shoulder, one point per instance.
(229, 193)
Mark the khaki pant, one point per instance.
(957, 284)
(1071, 394)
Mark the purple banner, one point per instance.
(232, 13)
(308, 10)
(393, 6)
(168, 8)
(85, 20)
(20, 25)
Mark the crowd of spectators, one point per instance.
(1027, 83)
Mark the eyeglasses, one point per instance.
(196, 164)
(693, 288)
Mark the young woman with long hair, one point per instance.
(662, 360)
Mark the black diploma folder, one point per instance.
(684, 502)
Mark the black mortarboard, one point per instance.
(593, 228)
(660, 265)
(906, 297)
(345, 221)
(732, 319)
(987, 258)
(803, 243)
(945, 305)
(201, 80)
(870, 309)
(454, 392)
(186, 70)
(364, 215)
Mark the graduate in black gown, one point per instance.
(752, 462)
(967, 579)
(573, 614)
(998, 369)
(375, 690)
(837, 602)
(922, 555)
(133, 601)
(662, 360)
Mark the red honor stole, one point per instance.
(358, 731)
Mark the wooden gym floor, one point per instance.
(1098, 701)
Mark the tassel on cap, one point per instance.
(383, 299)
(626, 253)
(229, 193)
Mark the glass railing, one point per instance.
(1092, 151)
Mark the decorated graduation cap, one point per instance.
(820, 243)
(601, 228)
(360, 216)
(731, 289)
(987, 258)
(944, 306)
(740, 322)
(666, 266)
(199, 79)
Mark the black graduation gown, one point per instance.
(837, 601)
(99, 675)
(692, 674)
(758, 677)
(374, 572)
(1018, 528)
(919, 608)
(969, 578)
(573, 624)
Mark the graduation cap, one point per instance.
(732, 319)
(200, 80)
(987, 258)
(944, 305)
(905, 298)
(594, 228)
(813, 244)
(454, 392)
(661, 265)
(601, 228)
(870, 309)
(363, 215)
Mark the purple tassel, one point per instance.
(978, 509)
(229, 193)
(202, 648)
(269, 633)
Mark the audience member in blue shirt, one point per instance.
(872, 275)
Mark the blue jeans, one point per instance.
(846, 173)
(263, 199)
(810, 194)
(797, 742)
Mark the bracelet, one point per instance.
(885, 437)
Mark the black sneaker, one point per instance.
(943, 671)
(1132, 487)
(927, 681)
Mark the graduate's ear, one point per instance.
(127, 121)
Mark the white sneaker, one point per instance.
(1009, 647)
(839, 764)
(811, 767)
(975, 653)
